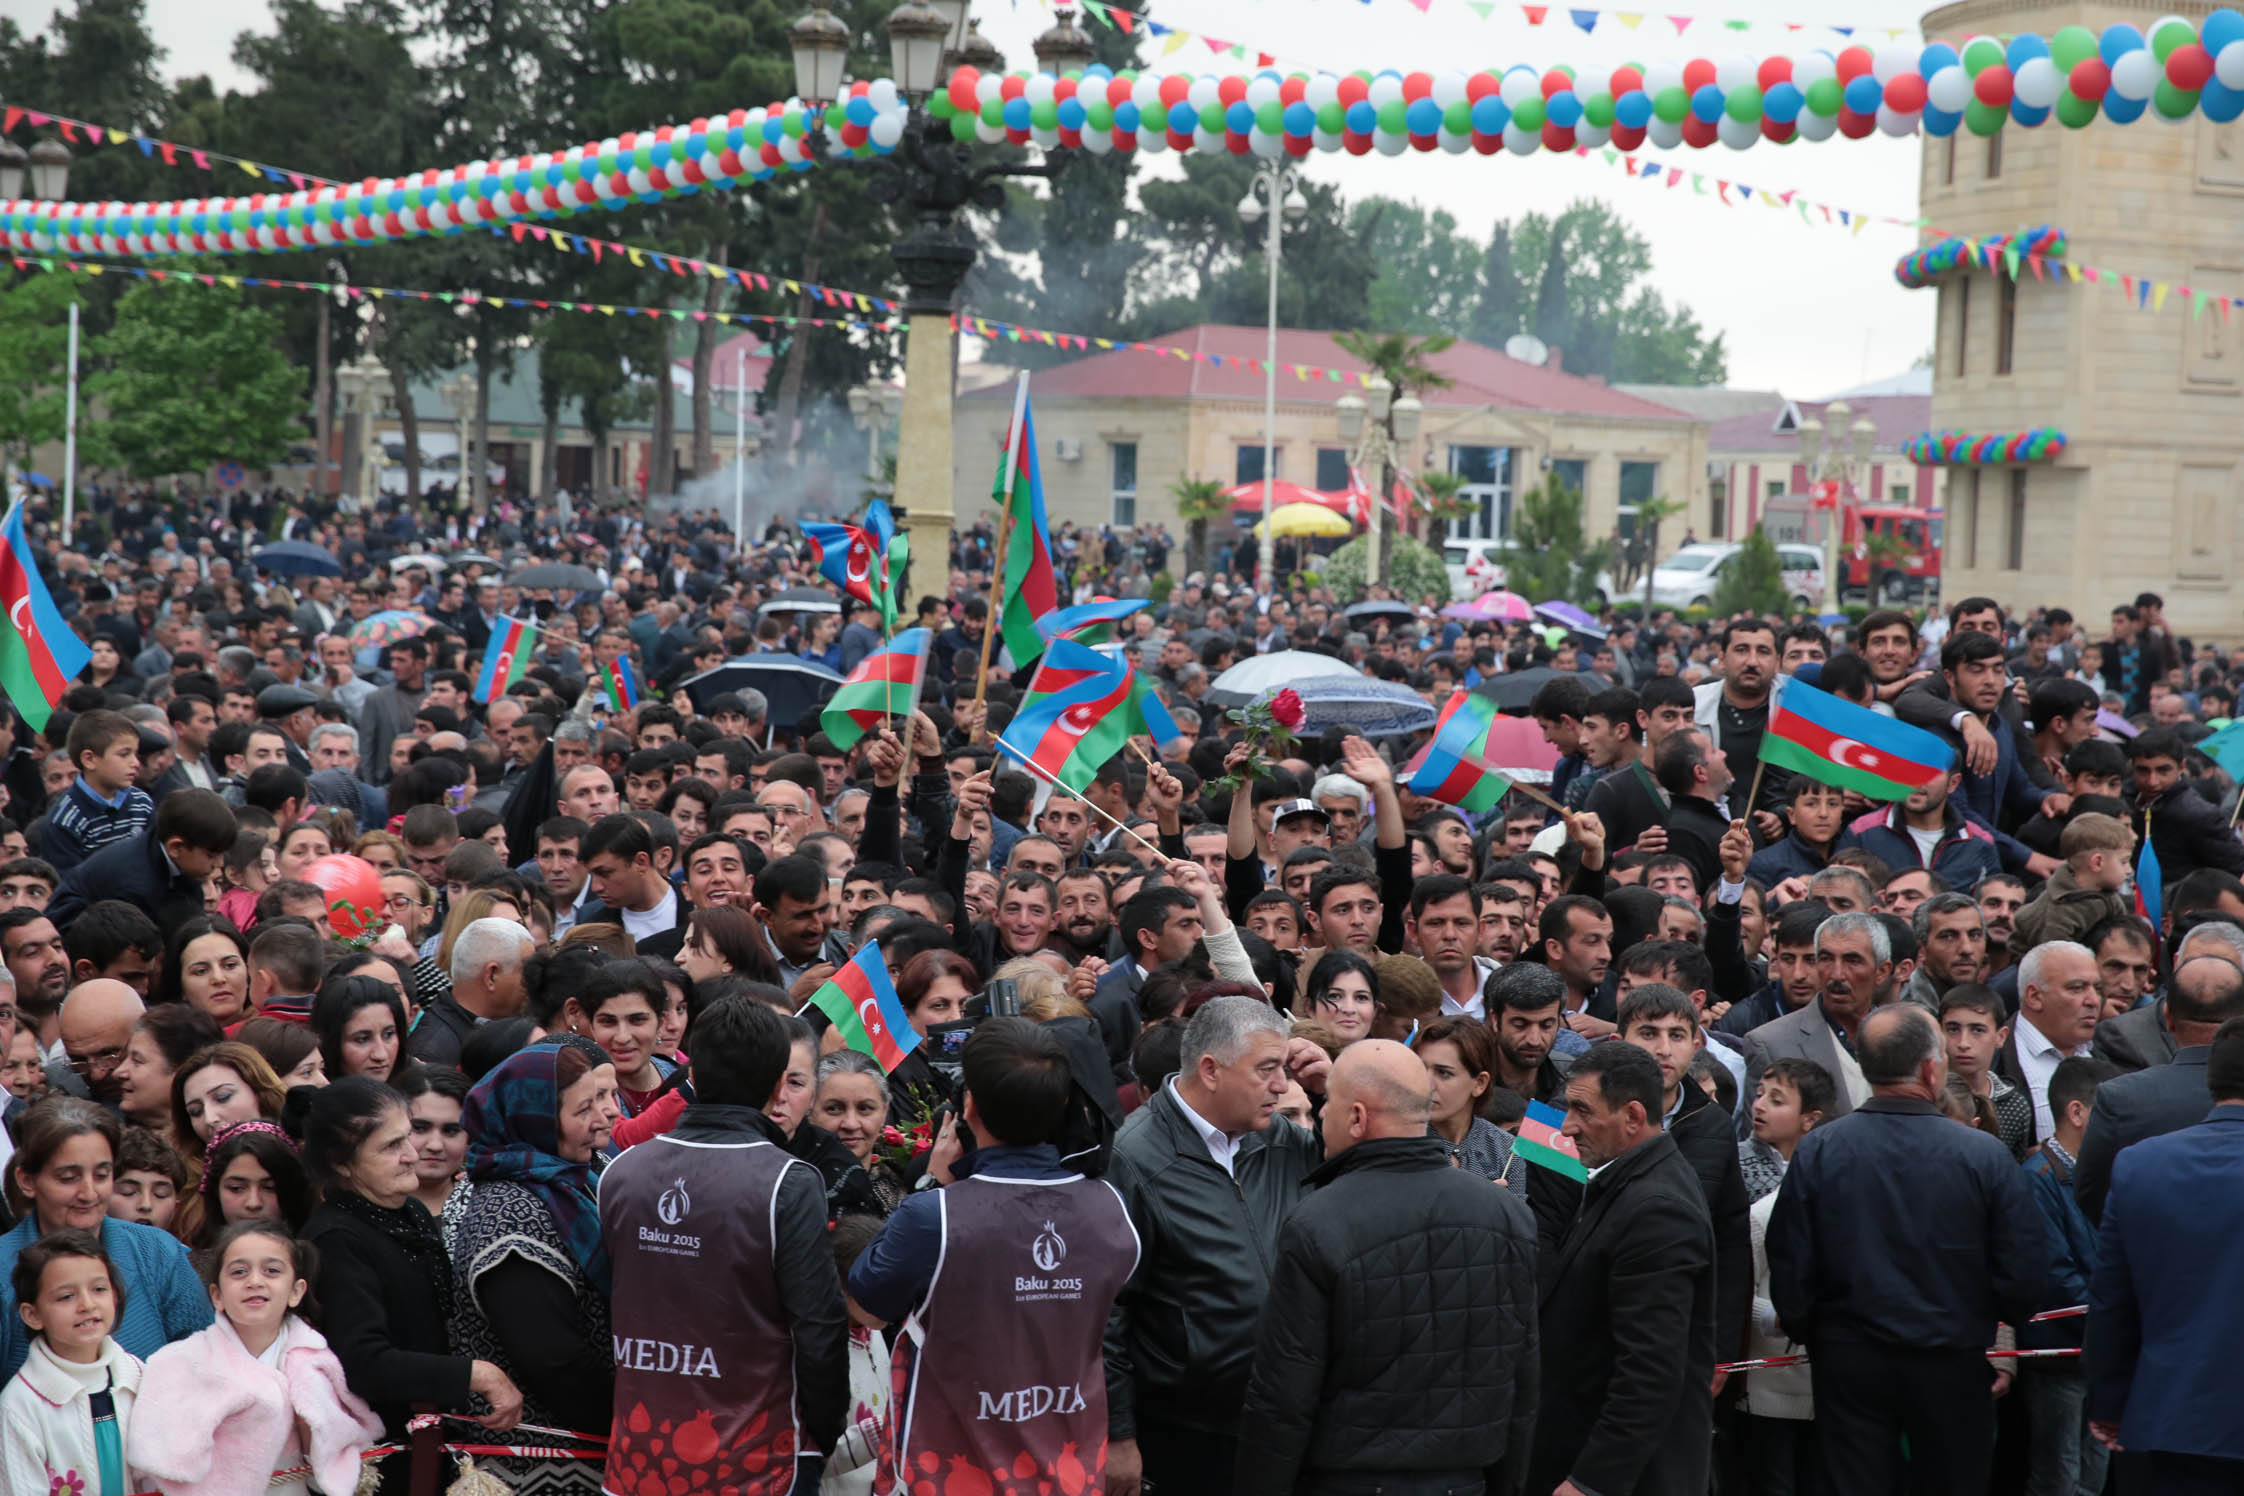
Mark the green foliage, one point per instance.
(1196, 261)
(1442, 497)
(1429, 273)
(1414, 570)
(34, 359)
(1164, 583)
(1752, 581)
(1552, 558)
(194, 376)
(1199, 500)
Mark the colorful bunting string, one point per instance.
(86, 133)
(1584, 18)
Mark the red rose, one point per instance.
(1287, 711)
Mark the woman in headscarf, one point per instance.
(530, 1268)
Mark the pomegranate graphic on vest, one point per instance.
(1049, 1249)
(696, 1442)
(674, 1203)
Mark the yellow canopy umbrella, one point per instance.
(1307, 519)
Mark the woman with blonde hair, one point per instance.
(385, 850)
(475, 904)
(609, 940)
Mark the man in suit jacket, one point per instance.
(2205, 993)
(1627, 1318)
(2164, 1319)
(1691, 767)
(2137, 1039)
(1854, 958)
(2058, 1000)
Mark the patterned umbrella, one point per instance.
(1498, 606)
(380, 629)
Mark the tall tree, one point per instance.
(1205, 265)
(1429, 273)
(195, 376)
(1496, 314)
(34, 350)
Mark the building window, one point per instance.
(1571, 471)
(1963, 323)
(1994, 155)
(1247, 466)
(1948, 171)
(1718, 508)
(1487, 472)
(2006, 321)
(2015, 536)
(1640, 481)
(1902, 498)
(1776, 488)
(1125, 465)
(1332, 470)
(1967, 518)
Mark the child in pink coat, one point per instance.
(232, 1410)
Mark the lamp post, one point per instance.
(1847, 466)
(872, 407)
(1381, 430)
(365, 383)
(931, 176)
(458, 395)
(47, 164)
(1274, 194)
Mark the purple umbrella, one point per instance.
(1568, 616)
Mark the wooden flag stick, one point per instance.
(1538, 796)
(1745, 812)
(1034, 768)
(997, 572)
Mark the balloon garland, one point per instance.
(1899, 89)
(1972, 449)
(1927, 266)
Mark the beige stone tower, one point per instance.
(2145, 495)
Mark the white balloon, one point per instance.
(1949, 90)
(882, 93)
(2136, 75)
(1146, 92)
(1593, 136)
(989, 86)
(1893, 59)
(1209, 142)
(1522, 142)
(1735, 72)
(1325, 140)
(1261, 91)
(1387, 144)
(1519, 85)
(1153, 142)
(885, 130)
(1098, 142)
(1203, 95)
(1813, 67)
(1814, 126)
(1385, 89)
(1323, 89)
(2228, 65)
(1039, 89)
(1043, 139)
(1666, 134)
(2038, 83)
(1894, 122)
(987, 133)
(1449, 88)
(1737, 134)
(1659, 77)
(1452, 142)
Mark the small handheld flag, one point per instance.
(1815, 733)
(620, 684)
(861, 1002)
(886, 683)
(1090, 622)
(2150, 882)
(1542, 1142)
(39, 655)
(507, 658)
(844, 556)
(1450, 768)
(1031, 590)
(1081, 708)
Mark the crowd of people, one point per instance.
(1281, 1131)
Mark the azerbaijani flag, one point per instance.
(844, 556)
(39, 655)
(892, 554)
(862, 1004)
(1031, 589)
(1081, 708)
(619, 683)
(1815, 733)
(1091, 622)
(506, 659)
(2150, 883)
(1450, 768)
(1542, 1142)
(886, 683)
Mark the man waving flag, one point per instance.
(1081, 708)
(39, 655)
(862, 1003)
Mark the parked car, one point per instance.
(1688, 578)
(1475, 567)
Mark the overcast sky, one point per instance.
(1804, 310)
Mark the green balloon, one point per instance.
(1270, 119)
(1670, 104)
(962, 128)
(643, 154)
(1211, 118)
(572, 170)
(1598, 109)
(1044, 116)
(2174, 33)
(1457, 119)
(1154, 119)
(792, 124)
(1099, 115)
(1980, 54)
(1530, 115)
(1983, 118)
(1332, 119)
(607, 166)
(1391, 116)
(2070, 45)
(939, 104)
(2172, 102)
(2075, 112)
(1744, 105)
(993, 111)
(1824, 97)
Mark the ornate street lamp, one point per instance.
(820, 43)
(50, 170)
(13, 163)
(1064, 48)
(917, 35)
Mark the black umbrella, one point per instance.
(1513, 692)
(1385, 608)
(804, 600)
(790, 685)
(297, 558)
(557, 576)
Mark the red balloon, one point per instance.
(1293, 90)
(1299, 145)
(1417, 86)
(1017, 137)
(1778, 131)
(1627, 138)
(2188, 66)
(1856, 126)
(1352, 90)
(1012, 88)
(1355, 145)
(628, 140)
(1699, 132)
(1175, 89)
(1119, 92)
(658, 180)
(1180, 140)
(1063, 88)
(1487, 145)
(1235, 142)
(1774, 70)
(964, 89)
(770, 156)
(1479, 86)
(852, 136)
(1992, 86)
(1853, 63)
(1231, 89)
(1424, 142)
(354, 893)
(2090, 79)
(1555, 82)
(728, 163)
(1625, 80)
(1697, 74)
(1071, 139)
(1905, 93)
(1557, 137)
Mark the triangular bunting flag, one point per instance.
(1586, 19)
(1536, 14)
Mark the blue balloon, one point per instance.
(1782, 102)
(2117, 42)
(1423, 117)
(2023, 49)
(2123, 111)
(1299, 119)
(1491, 114)
(2220, 102)
(1127, 116)
(2221, 27)
(1362, 117)
(1706, 103)
(1633, 109)
(2025, 114)
(1016, 114)
(775, 129)
(1934, 57)
(658, 154)
(1072, 114)
(1564, 109)
(394, 200)
(1939, 122)
(1863, 94)
(858, 111)
(1239, 118)
(1097, 70)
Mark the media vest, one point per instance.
(1002, 1368)
(705, 1362)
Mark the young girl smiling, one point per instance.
(64, 1415)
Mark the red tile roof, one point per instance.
(724, 369)
(1484, 376)
(1897, 417)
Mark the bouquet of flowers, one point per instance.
(898, 1147)
(1270, 726)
